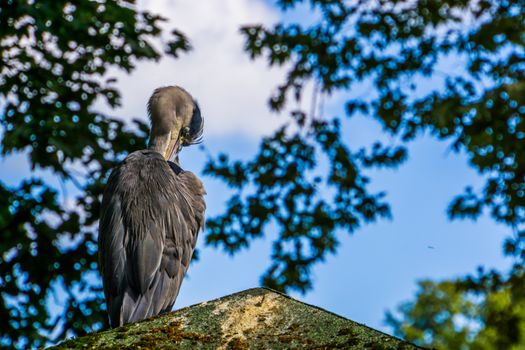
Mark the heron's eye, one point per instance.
(185, 131)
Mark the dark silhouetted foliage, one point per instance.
(55, 59)
(453, 69)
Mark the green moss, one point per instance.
(253, 319)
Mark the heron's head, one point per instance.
(176, 121)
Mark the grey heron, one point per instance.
(151, 214)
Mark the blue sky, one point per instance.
(376, 268)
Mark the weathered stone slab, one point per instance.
(253, 319)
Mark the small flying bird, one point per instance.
(151, 213)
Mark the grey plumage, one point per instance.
(151, 214)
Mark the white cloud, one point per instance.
(231, 89)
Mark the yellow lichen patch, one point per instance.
(246, 315)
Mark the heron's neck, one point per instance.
(159, 143)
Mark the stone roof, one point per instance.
(256, 318)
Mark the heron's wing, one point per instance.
(145, 256)
(112, 254)
(131, 240)
(154, 257)
(146, 226)
(185, 218)
(193, 192)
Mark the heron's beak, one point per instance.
(174, 146)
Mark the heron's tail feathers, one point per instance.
(159, 298)
(135, 307)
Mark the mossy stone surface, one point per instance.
(253, 319)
